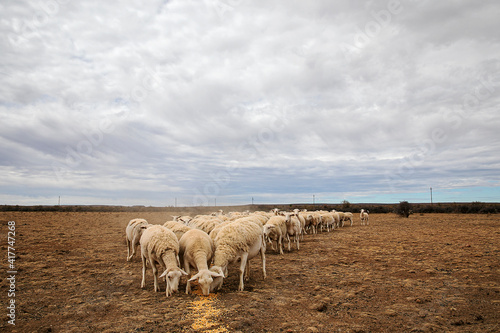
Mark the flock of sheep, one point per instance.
(221, 239)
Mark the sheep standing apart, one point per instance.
(237, 241)
(363, 215)
(178, 228)
(160, 245)
(133, 232)
(276, 230)
(196, 249)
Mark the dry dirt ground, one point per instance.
(433, 272)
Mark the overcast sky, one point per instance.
(221, 101)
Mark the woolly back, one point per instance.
(195, 239)
(233, 238)
(159, 239)
(276, 220)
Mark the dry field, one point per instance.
(433, 272)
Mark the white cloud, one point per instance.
(237, 99)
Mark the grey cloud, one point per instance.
(169, 99)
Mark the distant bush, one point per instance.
(404, 209)
(456, 208)
(346, 205)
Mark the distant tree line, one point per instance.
(475, 207)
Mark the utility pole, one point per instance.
(59, 201)
(215, 201)
(252, 201)
(431, 195)
(175, 204)
(314, 200)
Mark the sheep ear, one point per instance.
(183, 272)
(164, 273)
(217, 274)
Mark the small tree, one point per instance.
(345, 205)
(404, 209)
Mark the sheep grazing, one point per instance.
(276, 230)
(336, 218)
(348, 217)
(133, 233)
(363, 215)
(196, 249)
(240, 240)
(160, 245)
(341, 217)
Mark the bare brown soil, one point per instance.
(433, 272)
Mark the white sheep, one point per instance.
(178, 228)
(133, 233)
(302, 221)
(341, 218)
(160, 245)
(293, 228)
(327, 220)
(316, 220)
(363, 215)
(336, 218)
(254, 218)
(276, 230)
(196, 249)
(182, 219)
(205, 223)
(348, 217)
(240, 240)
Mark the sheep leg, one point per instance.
(244, 258)
(133, 245)
(188, 271)
(247, 270)
(143, 283)
(263, 257)
(280, 244)
(155, 274)
(167, 289)
(128, 248)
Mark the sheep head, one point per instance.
(205, 279)
(268, 229)
(218, 278)
(172, 278)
